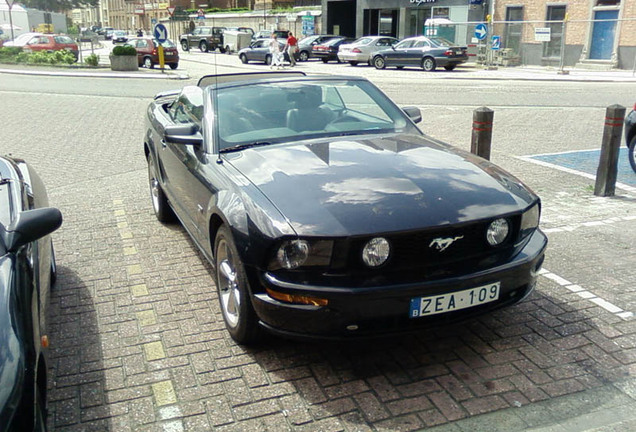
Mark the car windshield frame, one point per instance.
(371, 113)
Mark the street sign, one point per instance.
(481, 30)
(308, 25)
(170, 10)
(160, 32)
(495, 42)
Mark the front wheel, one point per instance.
(632, 154)
(428, 64)
(173, 66)
(203, 46)
(325, 59)
(160, 204)
(243, 58)
(148, 64)
(303, 56)
(185, 46)
(268, 59)
(379, 63)
(233, 289)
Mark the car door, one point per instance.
(194, 37)
(420, 49)
(260, 50)
(399, 55)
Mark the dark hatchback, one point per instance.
(27, 270)
(328, 50)
(428, 53)
(327, 213)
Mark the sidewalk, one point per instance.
(99, 72)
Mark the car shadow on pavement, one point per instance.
(77, 373)
(543, 348)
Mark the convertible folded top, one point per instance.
(244, 76)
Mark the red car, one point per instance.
(52, 42)
(148, 55)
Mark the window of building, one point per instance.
(608, 2)
(554, 20)
(513, 32)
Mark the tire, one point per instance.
(449, 67)
(399, 67)
(148, 64)
(268, 59)
(173, 66)
(303, 56)
(160, 205)
(233, 290)
(632, 154)
(353, 63)
(227, 50)
(243, 58)
(379, 63)
(325, 60)
(40, 412)
(185, 46)
(428, 64)
(203, 46)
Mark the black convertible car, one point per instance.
(327, 213)
(27, 269)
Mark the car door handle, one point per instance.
(163, 143)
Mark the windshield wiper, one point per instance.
(244, 146)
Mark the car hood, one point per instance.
(378, 184)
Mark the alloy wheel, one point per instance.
(229, 292)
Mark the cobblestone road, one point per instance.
(138, 342)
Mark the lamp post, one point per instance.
(10, 4)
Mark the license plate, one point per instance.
(169, 54)
(432, 305)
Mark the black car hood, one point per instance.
(378, 184)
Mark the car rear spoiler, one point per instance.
(244, 76)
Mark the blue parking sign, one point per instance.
(496, 42)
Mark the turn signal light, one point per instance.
(44, 340)
(295, 298)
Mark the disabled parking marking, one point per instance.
(585, 163)
(584, 294)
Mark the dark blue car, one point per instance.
(420, 51)
(27, 270)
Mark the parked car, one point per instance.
(205, 38)
(425, 52)
(27, 270)
(258, 51)
(108, 32)
(52, 42)
(630, 136)
(328, 50)
(21, 40)
(326, 213)
(148, 55)
(119, 36)
(362, 50)
(306, 44)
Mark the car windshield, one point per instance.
(267, 113)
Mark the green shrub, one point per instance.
(124, 50)
(8, 52)
(92, 60)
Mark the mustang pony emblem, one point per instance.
(442, 243)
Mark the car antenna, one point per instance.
(216, 104)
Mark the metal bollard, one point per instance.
(608, 162)
(482, 132)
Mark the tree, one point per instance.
(58, 5)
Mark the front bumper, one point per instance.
(380, 311)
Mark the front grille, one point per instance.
(418, 255)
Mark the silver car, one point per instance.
(363, 49)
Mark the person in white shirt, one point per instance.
(277, 55)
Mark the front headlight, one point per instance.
(292, 254)
(530, 220)
(497, 232)
(376, 252)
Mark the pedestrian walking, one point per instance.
(291, 48)
(277, 55)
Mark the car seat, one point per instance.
(308, 114)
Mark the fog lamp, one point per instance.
(497, 232)
(376, 252)
(293, 253)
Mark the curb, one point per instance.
(165, 75)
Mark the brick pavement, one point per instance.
(138, 341)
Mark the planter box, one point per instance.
(123, 63)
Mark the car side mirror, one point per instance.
(187, 133)
(30, 225)
(414, 113)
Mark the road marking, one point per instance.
(587, 295)
(164, 393)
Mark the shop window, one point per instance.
(513, 31)
(608, 2)
(554, 17)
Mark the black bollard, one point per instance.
(482, 132)
(608, 162)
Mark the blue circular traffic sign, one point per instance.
(481, 31)
(160, 32)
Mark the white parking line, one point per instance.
(583, 293)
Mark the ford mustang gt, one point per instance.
(326, 213)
